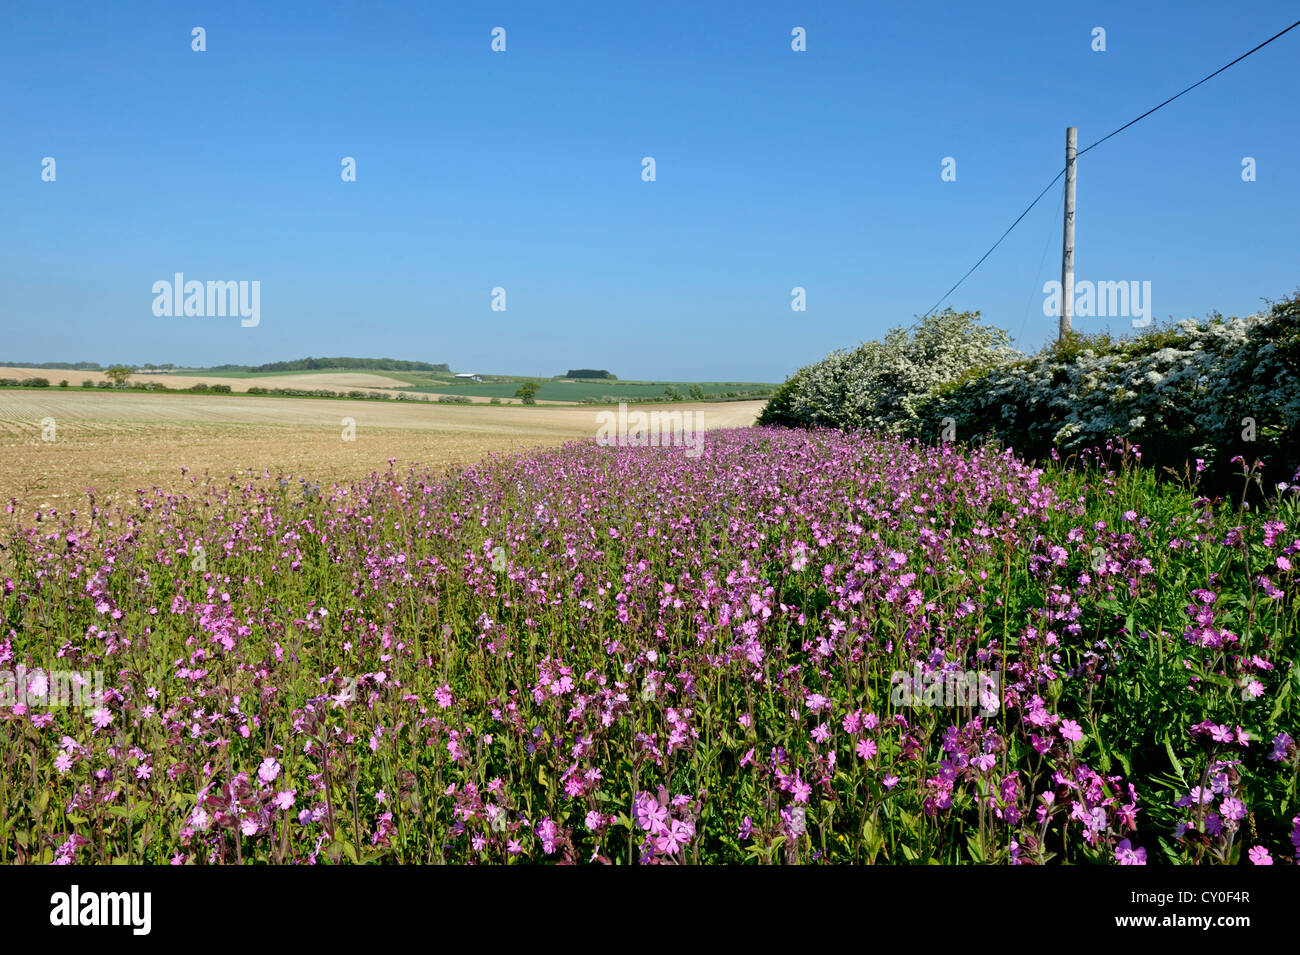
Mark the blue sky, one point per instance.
(522, 169)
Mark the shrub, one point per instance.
(1207, 390)
(780, 407)
(879, 384)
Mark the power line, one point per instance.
(1190, 88)
(1095, 145)
(996, 244)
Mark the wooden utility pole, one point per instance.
(1067, 244)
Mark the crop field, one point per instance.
(120, 441)
(340, 380)
(494, 386)
(426, 385)
(575, 390)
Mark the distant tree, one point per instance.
(528, 392)
(697, 392)
(590, 373)
(117, 374)
(369, 364)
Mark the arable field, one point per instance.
(502, 387)
(575, 390)
(342, 380)
(121, 441)
(418, 384)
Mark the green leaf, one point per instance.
(1178, 767)
(1124, 761)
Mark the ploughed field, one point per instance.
(792, 648)
(121, 441)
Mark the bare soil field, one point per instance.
(118, 442)
(342, 380)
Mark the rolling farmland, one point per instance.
(121, 441)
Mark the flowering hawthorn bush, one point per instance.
(1207, 390)
(879, 384)
(678, 660)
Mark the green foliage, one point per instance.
(117, 374)
(54, 365)
(779, 409)
(590, 373)
(528, 392)
(25, 383)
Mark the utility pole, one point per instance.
(1067, 243)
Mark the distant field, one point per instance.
(243, 381)
(578, 389)
(127, 440)
(495, 386)
(431, 384)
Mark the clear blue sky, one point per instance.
(523, 170)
